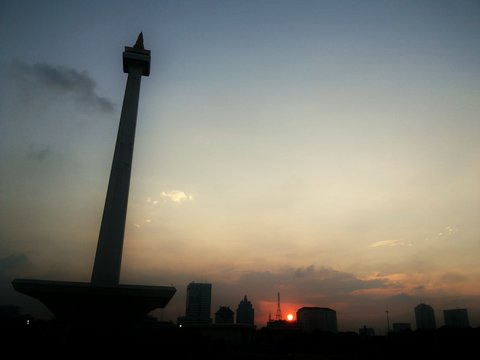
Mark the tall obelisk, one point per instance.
(108, 258)
(104, 300)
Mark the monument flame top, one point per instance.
(139, 42)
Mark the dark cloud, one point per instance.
(301, 285)
(312, 281)
(39, 153)
(402, 298)
(453, 278)
(64, 81)
(302, 272)
(10, 262)
(9, 267)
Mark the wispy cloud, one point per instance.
(12, 261)
(64, 81)
(448, 231)
(390, 243)
(308, 281)
(452, 277)
(176, 196)
(151, 201)
(39, 153)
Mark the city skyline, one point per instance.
(421, 317)
(324, 150)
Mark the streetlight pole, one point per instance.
(388, 322)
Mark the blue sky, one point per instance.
(328, 150)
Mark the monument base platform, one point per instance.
(84, 302)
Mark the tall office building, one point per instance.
(245, 312)
(199, 297)
(456, 318)
(425, 317)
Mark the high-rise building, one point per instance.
(456, 318)
(199, 297)
(317, 318)
(425, 317)
(224, 315)
(245, 312)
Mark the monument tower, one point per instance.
(106, 269)
(104, 298)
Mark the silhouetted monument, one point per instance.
(106, 269)
(104, 299)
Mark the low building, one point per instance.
(224, 315)
(317, 319)
(366, 331)
(457, 318)
(401, 327)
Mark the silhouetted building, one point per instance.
(457, 318)
(9, 312)
(245, 312)
(365, 331)
(224, 315)
(199, 297)
(282, 325)
(317, 318)
(401, 327)
(11, 317)
(425, 317)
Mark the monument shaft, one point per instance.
(108, 258)
(103, 300)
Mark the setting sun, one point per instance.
(289, 317)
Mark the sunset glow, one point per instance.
(328, 151)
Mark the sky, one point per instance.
(326, 150)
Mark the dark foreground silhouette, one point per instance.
(24, 336)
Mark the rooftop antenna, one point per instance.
(278, 315)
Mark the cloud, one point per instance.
(11, 262)
(298, 286)
(11, 266)
(303, 286)
(176, 196)
(390, 243)
(39, 153)
(308, 281)
(448, 231)
(453, 278)
(302, 271)
(63, 81)
(152, 201)
(8, 266)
